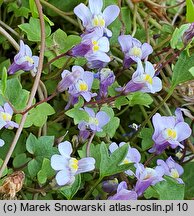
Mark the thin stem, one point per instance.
(9, 29)
(92, 189)
(40, 102)
(9, 38)
(146, 116)
(63, 14)
(33, 91)
(134, 20)
(149, 160)
(89, 144)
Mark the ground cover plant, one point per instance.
(96, 99)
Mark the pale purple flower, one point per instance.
(96, 120)
(69, 78)
(77, 83)
(146, 177)
(133, 49)
(6, 113)
(93, 47)
(123, 193)
(68, 166)
(133, 155)
(171, 168)
(92, 16)
(24, 60)
(143, 80)
(107, 78)
(169, 131)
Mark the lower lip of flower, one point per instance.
(95, 46)
(174, 173)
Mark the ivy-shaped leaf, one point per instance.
(181, 69)
(111, 164)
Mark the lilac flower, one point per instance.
(6, 113)
(107, 78)
(146, 177)
(133, 155)
(133, 49)
(93, 47)
(24, 60)
(123, 193)
(96, 121)
(171, 168)
(69, 78)
(92, 16)
(68, 166)
(78, 82)
(169, 131)
(143, 80)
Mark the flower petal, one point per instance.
(146, 50)
(83, 13)
(149, 68)
(58, 162)
(8, 109)
(183, 131)
(112, 147)
(103, 44)
(65, 149)
(86, 165)
(125, 42)
(95, 6)
(103, 118)
(110, 13)
(63, 177)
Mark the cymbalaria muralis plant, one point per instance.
(96, 101)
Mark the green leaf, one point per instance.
(146, 135)
(181, 72)
(70, 191)
(176, 41)
(41, 148)
(33, 167)
(77, 115)
(150, 192)
(189, 11)
(191, 70)
(46, 171)
(15, 94)
(188, 177)
(121, 101)
(37, 116)
(110, 165)
(140, 98)
(20, 160)
(34, 12)
(33, 31)
(176, 190)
